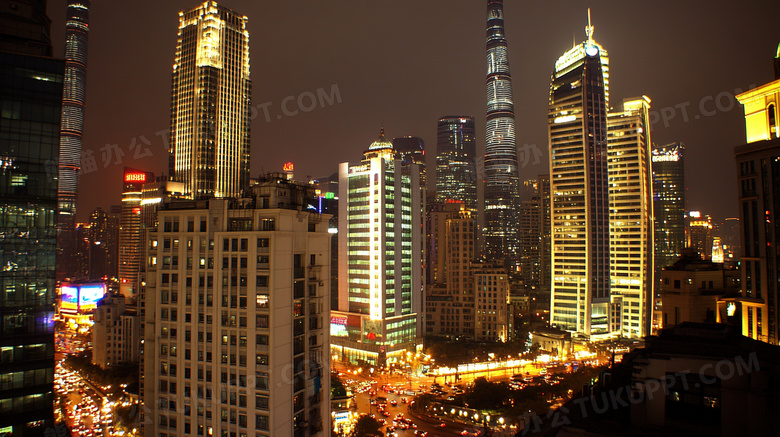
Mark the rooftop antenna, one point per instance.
(589, 29)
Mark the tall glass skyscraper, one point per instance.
(669, 209)
(456, 161)
(631, 219)
(74, 96)
(411, 150)
(209, 146)
(501, 170)
(31, 98)
(577, 133)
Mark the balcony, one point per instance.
(314, 272)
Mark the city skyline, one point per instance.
(585, 219)
(365, 97)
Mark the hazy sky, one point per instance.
(405, 63)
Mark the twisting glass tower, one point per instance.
(501, 173)
(74, 95)
(209, 147)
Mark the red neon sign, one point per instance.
(288, 166)
(135, 177)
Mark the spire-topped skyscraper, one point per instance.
(501, 170)
(579, 190)
(74, 97)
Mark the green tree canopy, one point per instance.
(367, 426)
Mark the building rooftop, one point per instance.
(708, 340)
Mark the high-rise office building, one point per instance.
(490, 283)
(209, 144)
(103, 241)
(631, 219)
(669, 209)
(155, 191)
(31, 95)
(728, 232)
(450, 300)
(74, 95)
(130, 227)
(577, 129)
(698, 233)
(501, 170)
(533, 236)
(380, 254)
(456, 161)
(235, 316)
(469, 299)
(411, 150)
(758, 170)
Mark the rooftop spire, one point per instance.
(589, 29)
(381, 142)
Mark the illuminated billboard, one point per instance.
(137, 178)
(69, 297)
(89, 294)
(81, 297)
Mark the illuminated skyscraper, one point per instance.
(103, 241)
(631, 219)
(758, 173)
(411, 150)
(130, 227)
(534, 236)
(456, 161)
(728, 232)
(31, 95)
(577, 121)
(209, 145)
(74, 95)
(698, 233)
(380, 254)
(669, 203)
(501, 170)
(669, 211)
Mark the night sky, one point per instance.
(405, 63)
